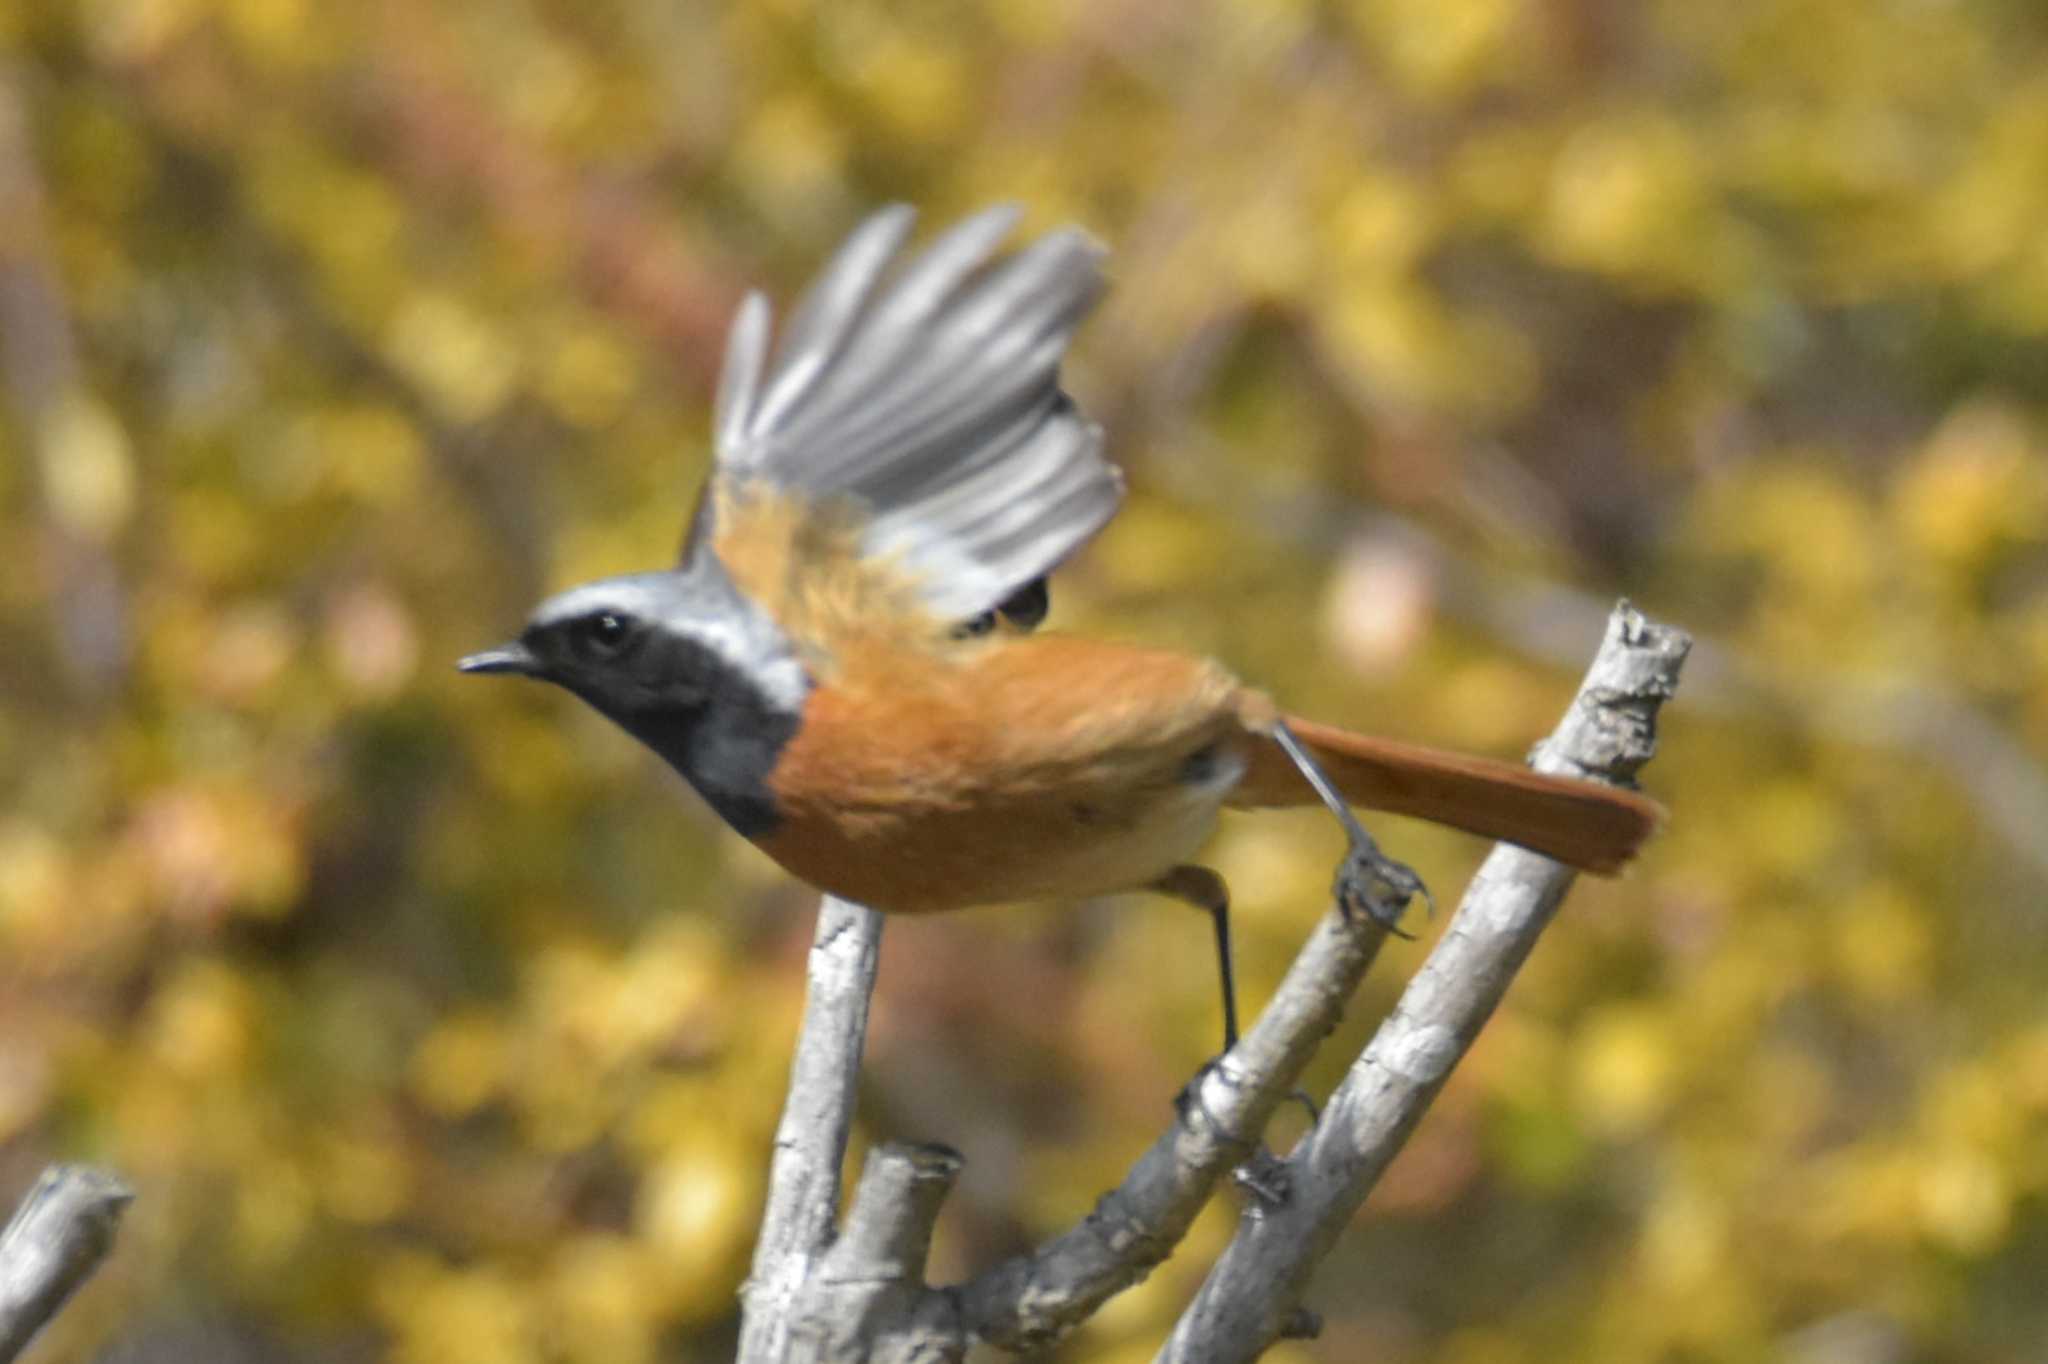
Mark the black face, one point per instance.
(589, 647)
(601, 636)
(671, 688)
(602, 656)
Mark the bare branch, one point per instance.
(1252, 1294)
(56, 1239)
(867, 1300)
(1032, 1300)
(1931, 720)
(890, 1228)
(810, 1141)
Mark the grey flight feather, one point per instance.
(932, 396)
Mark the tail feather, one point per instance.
(1591, 826)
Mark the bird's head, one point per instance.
(655, 650)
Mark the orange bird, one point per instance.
(843, 662)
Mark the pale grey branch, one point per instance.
(810, 1141)
(889, 1231)
(1032, 1300)
(56, 1239)
(1253, 1293)
(867, 1299)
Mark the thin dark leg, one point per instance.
(1368, 880)
(1220, 916)
(1206, 891)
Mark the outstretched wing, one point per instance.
(930, 395)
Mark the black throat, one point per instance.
(725, 739)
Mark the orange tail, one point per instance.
(1593, 827)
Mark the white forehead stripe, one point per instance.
(702, 607)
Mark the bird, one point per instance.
(844, 660)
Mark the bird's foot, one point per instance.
(1262, 1175)
(1373, 884)
(1189, 1103)
(1266, 1178)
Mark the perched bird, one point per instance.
(842, 661)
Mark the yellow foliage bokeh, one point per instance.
(436, 1020)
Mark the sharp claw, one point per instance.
(1265, 1177)
(1380, 887)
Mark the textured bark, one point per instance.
(56, 1239)
(810, 1141)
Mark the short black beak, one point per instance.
(506, 658)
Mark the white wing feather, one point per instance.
(932, 397)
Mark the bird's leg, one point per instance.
(1368, 879)
(1206, 891)
(1266, 1177)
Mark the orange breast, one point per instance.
(1011, 769)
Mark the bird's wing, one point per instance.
(930, 396)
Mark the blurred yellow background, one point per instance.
(437, 1022)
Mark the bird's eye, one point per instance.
(601, 636)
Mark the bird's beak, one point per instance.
(506, 658)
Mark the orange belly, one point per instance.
(1033, 769)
